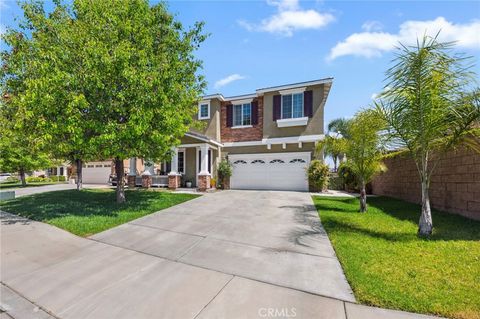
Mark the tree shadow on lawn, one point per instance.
(52, 205)
(446, 226)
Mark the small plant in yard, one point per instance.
(365, 150)
(347, 176)
(318, 175)
(224, 172)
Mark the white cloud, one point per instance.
(229, 79)
(374, 43)
(369, 26)
(289, 18)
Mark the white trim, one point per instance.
(242, 126)
(214, 96)
(293, 91)
(294, 121)
(202, 139)
(296, 85)
(278, 140)
(241, 97)
(244, 101)
(272, 155)
(200, 110)
(196, 145)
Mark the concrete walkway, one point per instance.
(235, 254)
(19, 192)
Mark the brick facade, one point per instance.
(229, 134)
(173, 181)
(455, 183)
(146, 181)
(203, 182)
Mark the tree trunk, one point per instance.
(119, 171)
(78, 163)
(363, 197)
(425, 225)
(22, 177)
(335, 163)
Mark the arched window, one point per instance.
(297, 160)
(258, 162)
(276, 161)
(240, 162)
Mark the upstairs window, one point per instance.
(203, 111)
(292, 105)
(242, 114)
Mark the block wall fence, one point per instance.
(454, 188)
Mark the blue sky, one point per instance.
(255, 44)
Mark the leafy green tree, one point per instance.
(332, 146)
(427, 110)
(124, 74)
(21, 148)
(365, 150)
(20, 152)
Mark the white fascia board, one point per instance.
(213, 96)
(239, 98)
(277, 140)
(295, 85)
(204, 139)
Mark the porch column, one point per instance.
(204, 175)
(132, 174)
(58, 170)
(173, 176)
(147, 174)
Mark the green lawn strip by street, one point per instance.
(91, 211)
(388, 266)
(30, 184)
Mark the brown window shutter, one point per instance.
(308, 103)
(254, 112)
(229, 115)
(277, 100)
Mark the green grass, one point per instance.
(388, 266)
(91, 211)
(30, 184)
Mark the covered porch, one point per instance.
(193, 165)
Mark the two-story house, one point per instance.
(269, 137)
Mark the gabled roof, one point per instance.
(261, 91)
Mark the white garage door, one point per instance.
(276, 171)
(96, 173)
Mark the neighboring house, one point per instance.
(269, 137)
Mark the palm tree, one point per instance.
(364, 149)
(427, 110)
(339, 126)
(332, 146)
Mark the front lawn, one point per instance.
(91, 211)
(29, 184)
(388, 266)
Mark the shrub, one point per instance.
(335, 182)
(54, 178)
(318, 175)
(62, 178)
(35, 179)
(347, 175)
(213, 182)
(224, 172)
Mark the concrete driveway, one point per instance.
(233, 254)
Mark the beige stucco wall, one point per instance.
(210, 127)
(315, 123)
(190, 175)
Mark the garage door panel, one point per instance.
(96, 173)
(275, 171)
